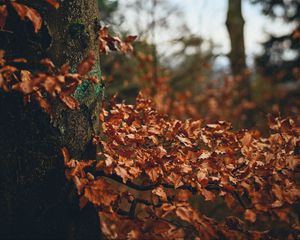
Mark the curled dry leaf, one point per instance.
(69, 101)
(109, 43)
(54, 3)
(48, 63)
(66, 155)
(25, 11)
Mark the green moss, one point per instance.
(87, 92)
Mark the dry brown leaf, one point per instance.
(54, 3)
(250, 215)
(159, 191)
(69, 101)
(25, 11)
(3, 16)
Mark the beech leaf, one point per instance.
(25, 11)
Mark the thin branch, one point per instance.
(209, 187)
(238, 197)
(189, 227)
(134, 203)
(128, 183)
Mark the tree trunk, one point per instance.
(235, 26)
(36, 202)
(242, 94)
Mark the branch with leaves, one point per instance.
(153, 165)
(171, 160)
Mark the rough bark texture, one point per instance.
(36, 202)
(235, 25)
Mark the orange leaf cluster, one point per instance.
(171, 160)
(24, 12)
(109, 43)
(44, 86)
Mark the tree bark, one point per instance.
(36, 202)
(235, 26)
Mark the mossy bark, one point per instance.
(36, 201)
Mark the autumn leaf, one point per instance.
(19, 60)
(183, 195)
(208, 195)
(246, 140)
(44, 104)
(69, 101)
(83, 201)
(98, 193)
(122, 172)
(130, 39)
(112, 43)
(125, 46)
(185, 141)
(3, 16)
(229, 187)
(250, 215)
(25, 11)
(54, 3)
(296, 34)
(135, 171)
(184, 214)
(66, 155)
(153, 174)
(48, 63)
(133, 235)
(204, 154)
(273, 123)
(175, 179)
(159, 191)
(86, 64)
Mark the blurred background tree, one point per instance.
(107, 8)
(182, 74)
(235, 26)
(279, 64)
(281, 51)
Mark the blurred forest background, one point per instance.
(216, 60)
